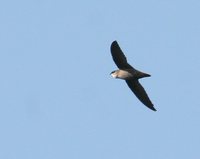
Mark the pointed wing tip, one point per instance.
(114, 43)
(152, 108)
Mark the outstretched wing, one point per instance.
(140, 93)
(119, 57)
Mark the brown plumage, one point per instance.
(130, 75)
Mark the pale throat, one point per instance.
(114, 75)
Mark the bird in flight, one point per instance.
(129, 74)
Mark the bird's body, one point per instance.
(123, 74)
(130, 75)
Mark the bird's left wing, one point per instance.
(140, 93)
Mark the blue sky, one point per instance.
(58, 99)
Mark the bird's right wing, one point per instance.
(119, 57)
(140, 93)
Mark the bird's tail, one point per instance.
(142, 75)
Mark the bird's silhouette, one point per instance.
(130, 75)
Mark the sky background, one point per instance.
(57, 99)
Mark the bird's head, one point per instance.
(114, 74)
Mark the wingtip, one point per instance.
(114, 45)
(114, 42)
(152, 108)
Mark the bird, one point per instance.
(130, 75)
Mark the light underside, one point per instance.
(114, 75)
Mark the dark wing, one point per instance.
(140, 93)
(119, 57)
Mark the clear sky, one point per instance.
(57, 99)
